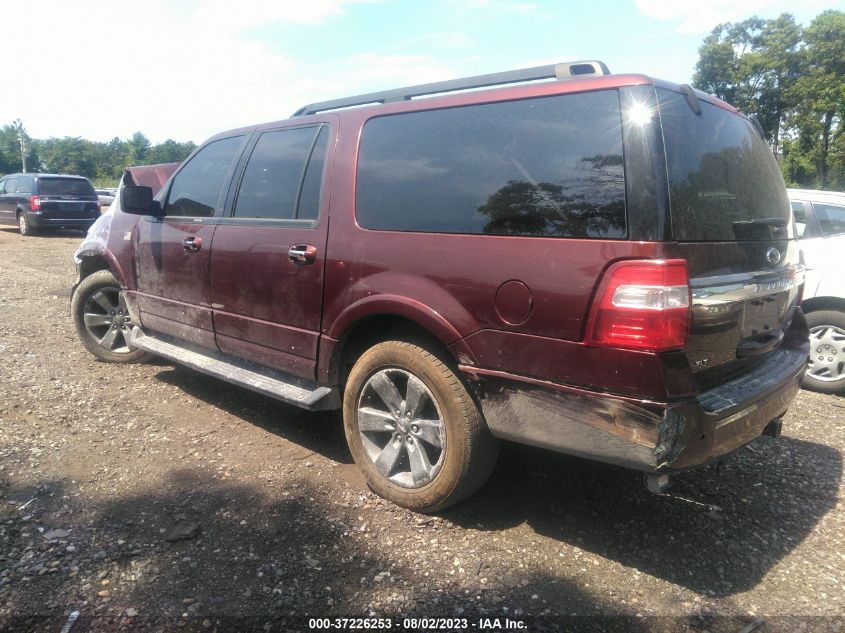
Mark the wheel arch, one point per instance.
(396, 321)
(90, 261)
(815, 304)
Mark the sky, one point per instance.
(187, 69)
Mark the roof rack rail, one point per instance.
(552, 71)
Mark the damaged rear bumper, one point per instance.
(641, 434)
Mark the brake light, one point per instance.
(35, 203)
(642, 304)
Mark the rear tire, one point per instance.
(423, 444)
(24, 225)
(102, 320)
(826, 371)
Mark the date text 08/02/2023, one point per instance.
(418, 624)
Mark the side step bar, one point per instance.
(269, 382)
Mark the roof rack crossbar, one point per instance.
(552, 71)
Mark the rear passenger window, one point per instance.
(549, 166)
(195, 191)
(800, 218)
(831, 218)
(276, 184)
(10, 186)
(25, 184)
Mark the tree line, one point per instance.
(793, 80)
(101, 162)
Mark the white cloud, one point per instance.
(700, 16)
(100, 68)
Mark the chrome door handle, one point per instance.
(302, 254)
(192, 244)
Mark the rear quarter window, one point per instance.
(550, 166)
(724, 183)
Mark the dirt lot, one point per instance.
(98, 463)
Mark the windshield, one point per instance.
(724, 183)
(65, 187)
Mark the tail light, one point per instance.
(35, 203)
(642, 304)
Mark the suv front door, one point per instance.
(268, 256)
(8, 200)
(172, 253)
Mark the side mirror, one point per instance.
(139, 201)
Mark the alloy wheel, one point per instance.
(107, 320)
(401, 427)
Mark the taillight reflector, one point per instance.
(35, 203)
(642, 304)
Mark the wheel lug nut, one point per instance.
(415, 428)
(398, 413)
(408, 415)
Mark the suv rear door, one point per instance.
(172, 253)
(268, 257)
(730, 219)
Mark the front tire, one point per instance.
(102, 320)
(826, 369)
(414, 430)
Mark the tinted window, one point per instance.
(309, 198)
(724, 183)
(10, 185)
(548, 167)
(65, 187)
(831, 218)
(195, 191)
(25, 184)
(272, 178)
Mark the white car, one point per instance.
(820, 223)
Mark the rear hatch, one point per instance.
(730, 219)
(67, 198)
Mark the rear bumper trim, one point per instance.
(644, 435)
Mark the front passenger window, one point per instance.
(196, 189)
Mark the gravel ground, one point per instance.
(102, 465)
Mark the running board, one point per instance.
(266, 381)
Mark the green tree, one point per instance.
(753, 65)
(816, 153)
(137, 148)
(170, 151)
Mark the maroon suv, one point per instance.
(603, 265)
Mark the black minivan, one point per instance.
(47, 201)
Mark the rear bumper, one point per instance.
(41, 221)
(644, 435)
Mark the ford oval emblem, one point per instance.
(772, 255)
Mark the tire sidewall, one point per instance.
(817, 318)
(394, 354)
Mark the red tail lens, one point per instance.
(642, 304)
(35, 203)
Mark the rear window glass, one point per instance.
(831, 218)
(724, 183)
(549, 166)
(64, 187)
